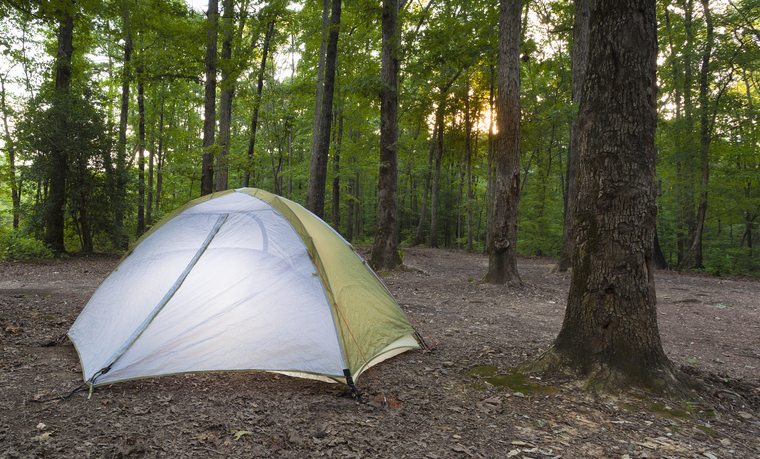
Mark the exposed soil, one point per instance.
(461, 400)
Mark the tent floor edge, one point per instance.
(350, 382)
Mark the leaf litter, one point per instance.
(448, 406)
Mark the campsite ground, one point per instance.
(461, 400)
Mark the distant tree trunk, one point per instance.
(221, 173)
(141, 153)
(385, 253)
(502, 253)
(257, 102)
(468, 160)
(489, 179)
(209, 113)
(580, 59)
(121, 154)
(437, 170)
(315, 194)
(418, 237)
(320, 78)
(610, 336)
(55, 218)
(693, 258)
(336, 172)
(10, 148)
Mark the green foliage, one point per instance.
(16, 245)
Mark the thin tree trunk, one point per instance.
(490, 171)
(320, 78)
(257, 102)
(221, 173)
(437, 171)
(693, 258)
(209, 112)
(336, 172)
(121, 155)
(141, 153)
(580, 60)
(502, 253)
(468, 161)
(418, 238)
(315, 195)
(10, 148)
(385, 253)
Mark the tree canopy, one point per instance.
(707, 138)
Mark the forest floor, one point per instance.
(463, 399)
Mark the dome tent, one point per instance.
(237, 281)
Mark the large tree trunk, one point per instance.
(55, 218)
(610, 335)
(257, 102)
(580, 59)
(385, 254)
(502, 253)
(315, 194)
(209, 112)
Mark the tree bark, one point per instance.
(502, 253)
(610, 336)
(315, 194)
(209, 112)
(55, 218)
(580, 60)
(385, 253)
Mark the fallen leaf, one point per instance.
(240, 433)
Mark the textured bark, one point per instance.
(385, 253)
(315, 195)
(580, 60)
(209, 112)
(502, 253)
(610, 336)
(54, 224)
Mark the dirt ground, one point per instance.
(460, 400)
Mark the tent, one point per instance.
(237, 281)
